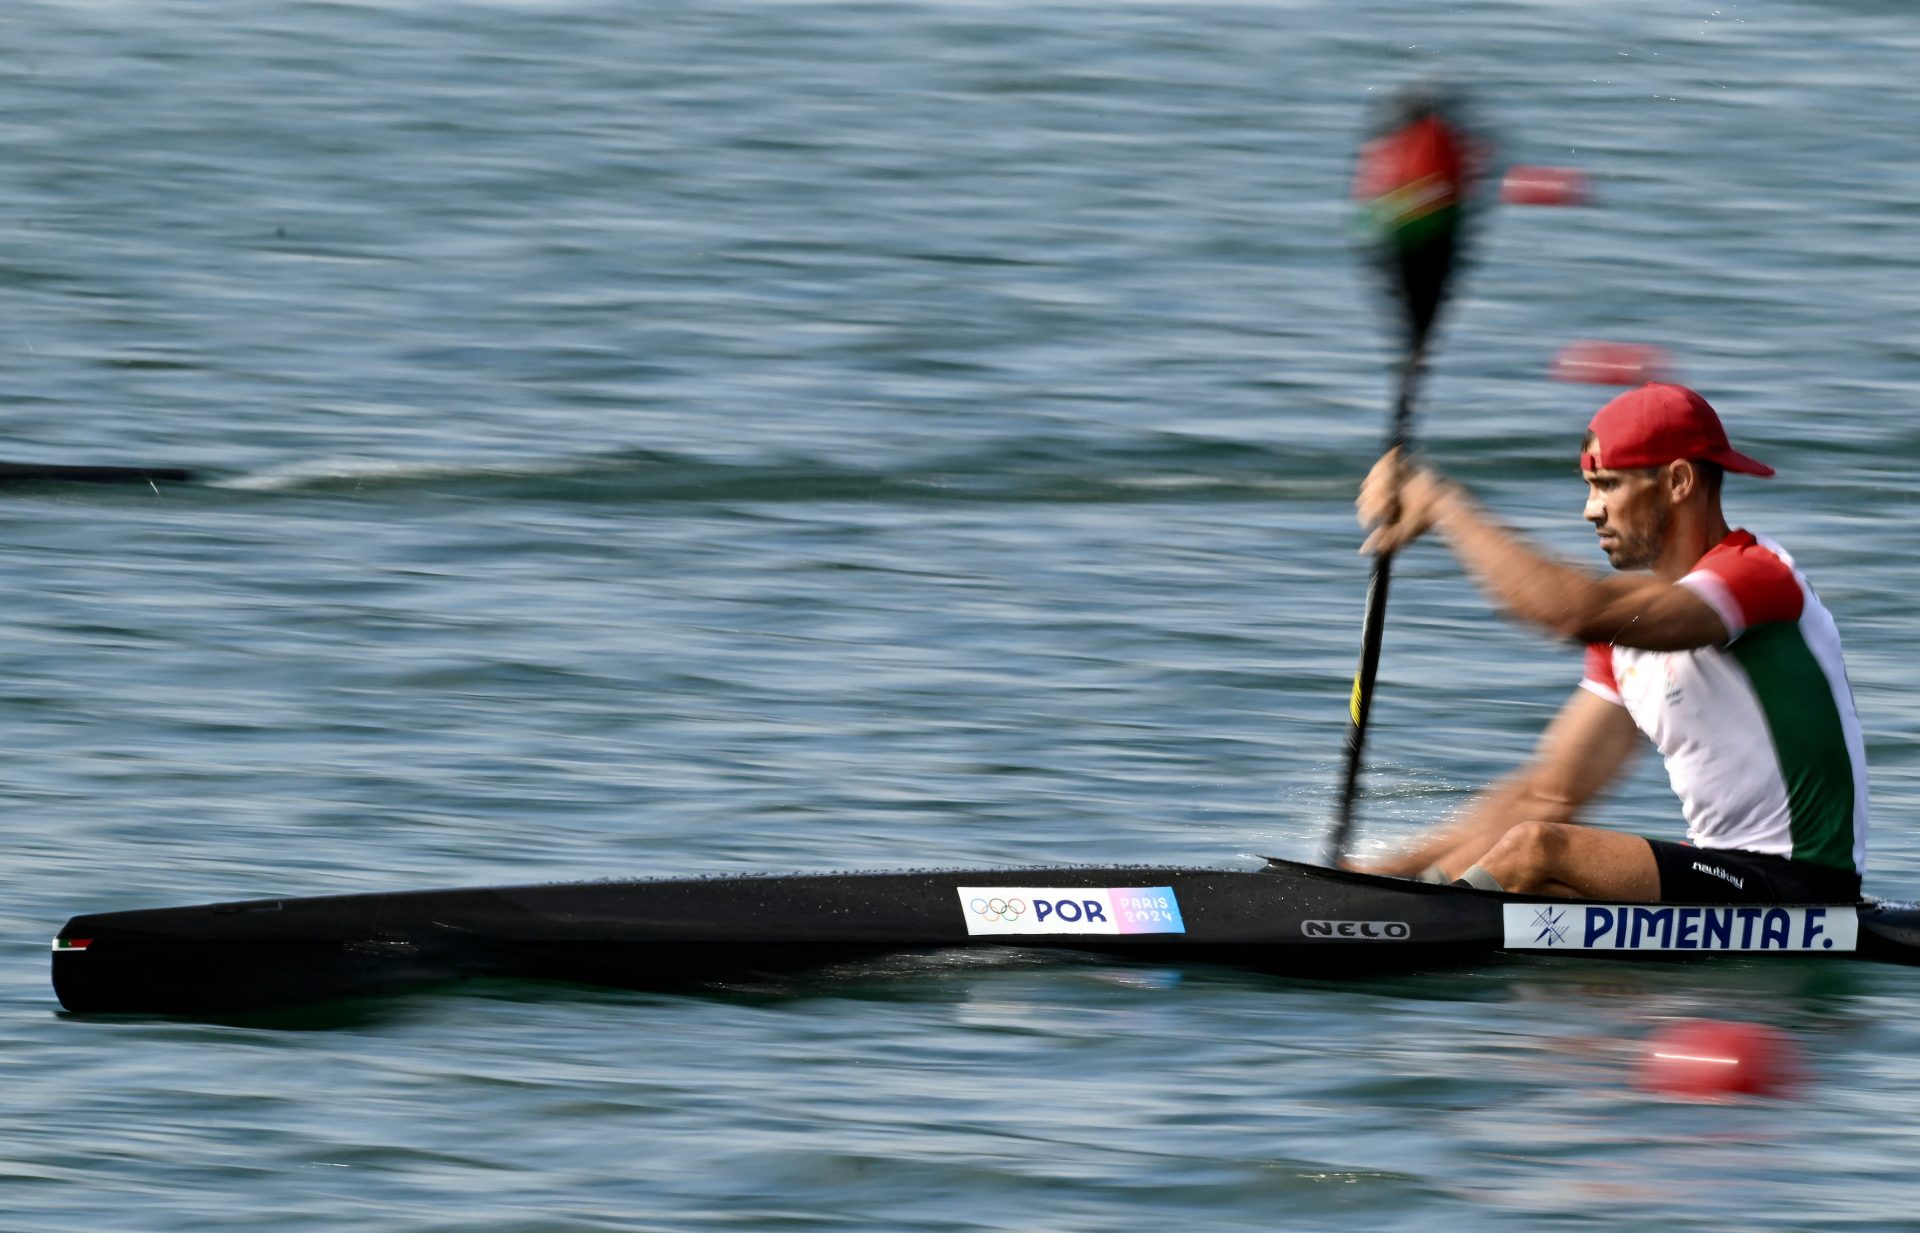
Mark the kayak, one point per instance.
(1284, 918)
(14, 474)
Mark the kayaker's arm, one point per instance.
(1637, 610)
(1580, 754)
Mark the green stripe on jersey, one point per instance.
(1808, 737)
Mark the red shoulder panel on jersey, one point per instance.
(1758, 580)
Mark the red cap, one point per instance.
(1657, 424)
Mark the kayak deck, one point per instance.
(1285, 918)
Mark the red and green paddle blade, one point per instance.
(1412, 186)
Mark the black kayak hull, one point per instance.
(19, 474)
(1286, 918)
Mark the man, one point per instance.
(1720, 653)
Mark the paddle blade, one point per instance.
(1413, 186)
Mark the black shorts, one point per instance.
(1729, 875)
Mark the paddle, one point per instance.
(1410, 183)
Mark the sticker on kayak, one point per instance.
(1574, 926)
(1070, 909)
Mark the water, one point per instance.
(727, 436)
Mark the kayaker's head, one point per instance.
(1653, 459)
(1658, 424)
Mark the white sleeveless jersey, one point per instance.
(1759, 733)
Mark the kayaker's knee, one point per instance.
(1527, 858)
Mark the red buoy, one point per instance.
(1705, 1058)
(1611, 363)
(1544, 186)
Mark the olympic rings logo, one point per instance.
(1006, 910)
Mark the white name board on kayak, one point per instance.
(1070, 909)
(1677, 927)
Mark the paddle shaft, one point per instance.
(1373, 629)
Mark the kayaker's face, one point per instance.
(1630, 513)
